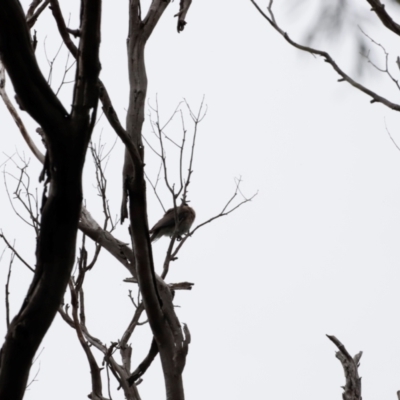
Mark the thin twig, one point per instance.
(12, 248)
(223, 213)
(391, 137)
(383, 70)
(7, 289)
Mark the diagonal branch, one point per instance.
(352, 389)
(88, 67)
(376, 98)
(62, 27)
(33, 92)
(14, 251)
(32, 15)
(94, 368)
(145, 364)
(66, 140)
(11, 109)
(386, 19)
(87, 224)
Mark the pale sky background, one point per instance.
(315, 253)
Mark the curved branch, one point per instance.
(352, 389)
(386, 19)
(34, 93)
(32, 15)
(376, 98)
(66, 142)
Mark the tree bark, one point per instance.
(67, 137)
(158, 311)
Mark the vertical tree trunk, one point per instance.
(67, 137)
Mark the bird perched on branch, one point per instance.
(166, 225)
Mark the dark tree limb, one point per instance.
(62, 28)
(86, 93)
(66, 141)
(379, 9)
(87, 224)
(31, 87)
(94, 368)
(125, 349)
(117, 370)
(183, 10)
(181, 342)
(121, 251)
(32, 15)
(145, 364)
(132, 325)
(352, 388)
(32, 8)
(135, 189)
(7, 290)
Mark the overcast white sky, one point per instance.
(315, 253)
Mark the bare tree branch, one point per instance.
(11, 109)
(32, 8)
(14, 251)
(62, 27)
(386, 19)
(183, 9)
(376, 98)
(385, 70)
(352, 389)
(66, 139)
(32, 89)
(7, 289)
(145, 364)
(94, 368)
(31, 17)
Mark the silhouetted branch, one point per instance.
(7, 288)
(196, 119)
(132, 325)
(352, 389)
(94, 368)
(32, 15)
(376, 98)
(13, 112)
(145, 364)
(386, 19)
(62, 27)
(102, 184)
(183, 9)
(12, 248)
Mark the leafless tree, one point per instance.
(67, 135)
(352, 388)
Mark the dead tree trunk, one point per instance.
(67, 136)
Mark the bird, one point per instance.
(166, 225)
